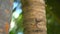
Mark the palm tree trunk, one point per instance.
(5, 15)
(34, 16)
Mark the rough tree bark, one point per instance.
(5, 15)
(34, 16)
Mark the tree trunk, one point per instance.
(5, 15)
(34, 16)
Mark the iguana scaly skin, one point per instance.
(5, 15)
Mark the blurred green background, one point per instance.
(16, 26)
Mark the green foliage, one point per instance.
(54, 6)
(53, 20)
(18, 25)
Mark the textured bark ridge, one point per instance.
(5, 15)
(34, 17)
